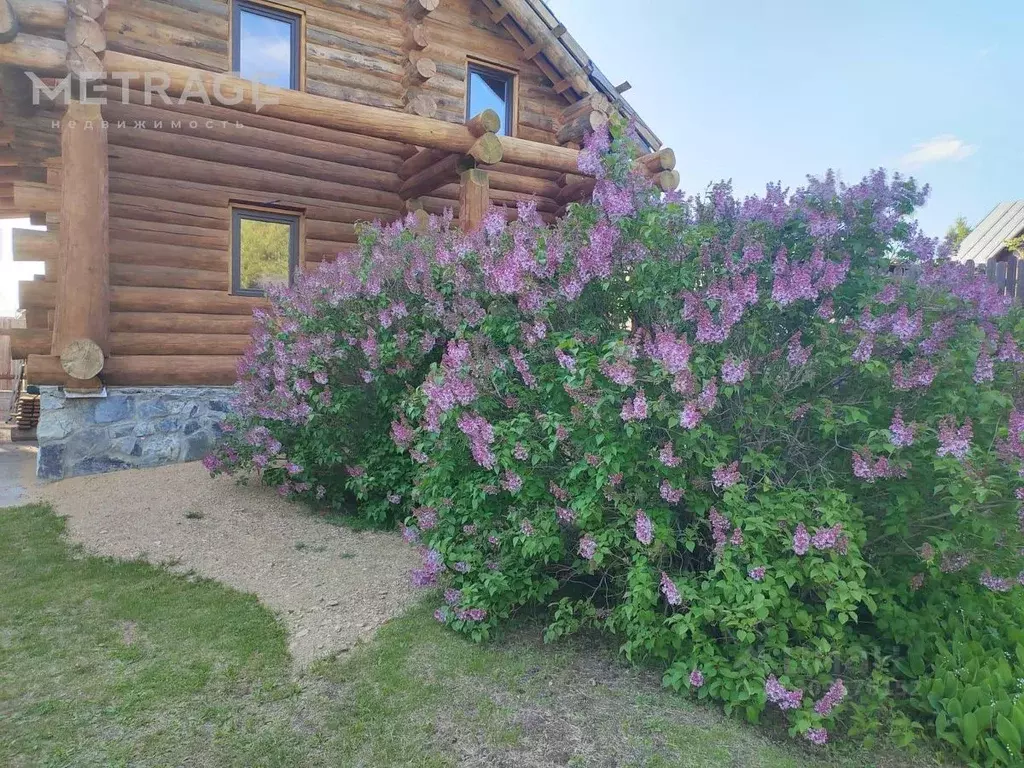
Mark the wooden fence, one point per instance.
(1008, 275)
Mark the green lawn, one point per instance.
(108, 663)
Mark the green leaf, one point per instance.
(969, 727)
(1009, 734)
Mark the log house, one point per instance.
(156, 140)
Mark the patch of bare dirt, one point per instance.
(331, 586)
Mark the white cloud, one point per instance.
(944, 148)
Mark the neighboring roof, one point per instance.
(989, 238)
(600, 83)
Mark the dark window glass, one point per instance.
(266, 45)
(490, 89)
(265, 251)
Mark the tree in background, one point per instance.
(955, 235)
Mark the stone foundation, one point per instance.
(130, 427)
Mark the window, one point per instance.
(267, 44)
(491, 89)
(264, 250)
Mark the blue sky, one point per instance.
(763, 91)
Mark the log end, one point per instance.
(82, 359)
(487, 121)
(487, 150)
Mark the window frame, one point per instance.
(293, 218)
(295, 17)
(509, 120)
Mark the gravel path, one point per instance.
(332, 587)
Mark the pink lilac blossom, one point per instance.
(920, 376)
(670, 590)
(719, 526)
(994, 583)
(734, 370)
(565, 360)
(644, 528)
(512, 482)
(481, 436)
(670, 494)
(954, 441)
(901, 435)
(916, 582)
(520, 452)
(426, 517)
(757, 573)
(907, 327)
(696, 678)
(817, 736)
(522, 367)
(667, 456)
(782, 696)
(726, 476)
(708, 397)
(673, 352)
(869, 468)
(801, 539)
(588, 547)
(830, 538)
(984, 370)
(690, 417)
(737, 537)
(864, 349)
(565, 515)
(620, 371)
(635, 409)
(526, 527)
(835, 694)
(796, 354)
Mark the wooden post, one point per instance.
(81, 325)
(474, 198)
(83, 304)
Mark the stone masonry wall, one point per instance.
(130, 427)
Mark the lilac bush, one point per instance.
(728, 432)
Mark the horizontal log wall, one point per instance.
(172, 181)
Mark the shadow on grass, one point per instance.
(112, 663)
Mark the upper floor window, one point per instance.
(267, 44)
(264, 250)
(491, 89)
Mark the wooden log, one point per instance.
(8, 22)
(39, 54)
(168, 277)
(419, 70)
(329, 113)
(419, 162)
(28, 341)
(144, 370)
(487, 121)
(487, 149)
(528, 185)
(418, 9)
(179, 343)
(178, 323)
(579, 127)
(83, 278)
(416, 37)
(159, 254)
(666, 181)
(34, 245)
(526, 17)
(32, 196)
(281, 140)
(595, 102)
(37, 294)
(182, 300)
(576, 191)
(474, 199)
(41, 14)
(440, 173)
(82, 359)
(375, 184)
(655, 162)
(420, 104)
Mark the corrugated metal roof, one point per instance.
(989, 237)
(596, 77)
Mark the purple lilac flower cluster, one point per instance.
(778, 694)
